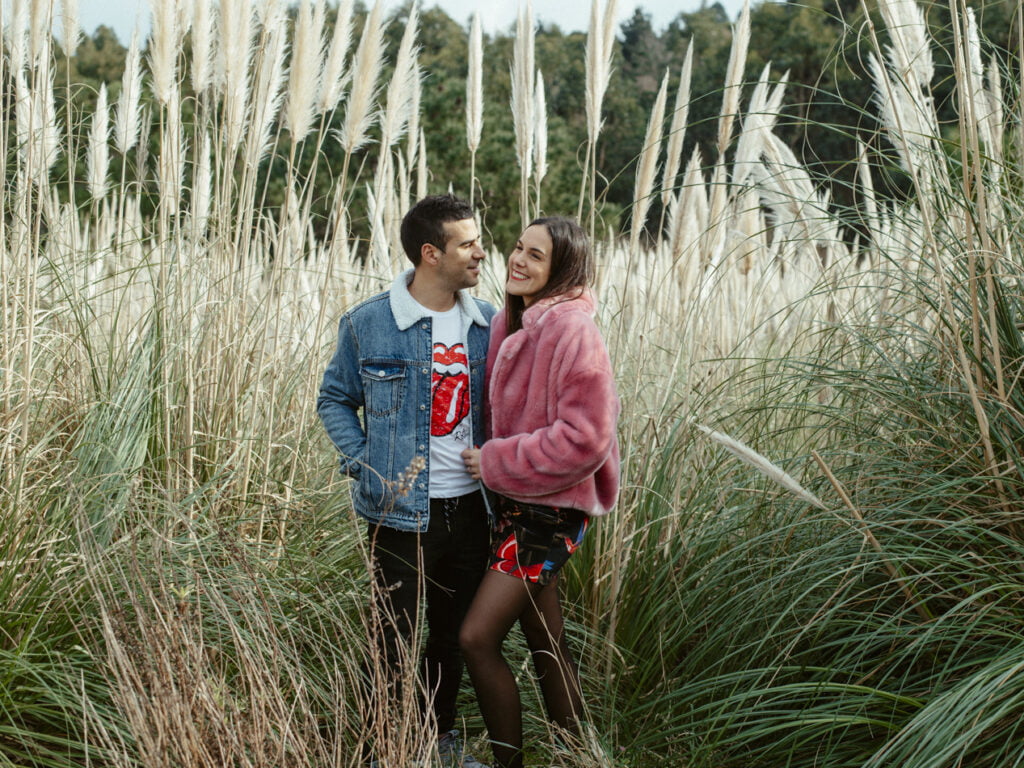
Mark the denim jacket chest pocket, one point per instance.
(383, 387)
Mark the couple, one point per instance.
(415, 361)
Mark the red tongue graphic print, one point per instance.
(449, 388)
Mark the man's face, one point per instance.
(460, 261)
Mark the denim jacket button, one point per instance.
(425, 371)
(423, 407)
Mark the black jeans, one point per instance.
(445, 564)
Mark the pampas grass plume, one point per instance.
(334, 75)
(233, 58)
(202, 45)
(304, 73)
(540, 130)
(522, 87)
(677, 130)
(369, 59)
(99, 150)
(71, 30)
(268, 89)
(647, 168)
(162, 53)
(475, 86)
(404, 84)
(126, 118)
(772, 471)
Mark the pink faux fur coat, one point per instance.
(552, 409)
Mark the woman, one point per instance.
(553, 457)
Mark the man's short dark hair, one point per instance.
(424, 223)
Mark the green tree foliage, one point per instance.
(818, 44)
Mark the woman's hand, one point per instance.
(471, 458)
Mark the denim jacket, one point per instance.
(382, 365)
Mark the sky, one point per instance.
(495, 15)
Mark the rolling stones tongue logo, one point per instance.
(449, 389)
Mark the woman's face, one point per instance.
(529, 264)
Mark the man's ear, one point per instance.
(429, 253)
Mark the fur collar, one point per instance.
(553, 306)
(408, 311)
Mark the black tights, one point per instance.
(500, 601)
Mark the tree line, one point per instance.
(821, 47)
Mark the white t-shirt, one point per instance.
(450, 422)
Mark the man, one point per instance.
(413, 360)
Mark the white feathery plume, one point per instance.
(867, 194)
(730, 107)
(234, 55)
(126, 118)
(976, 82)
(677, 130)
(647, 166)
(994, 94)
(304, 72)
(162, 49)
(39, 27)
(522, 103)
(908, 119)
(598, 53)
(980, 100)
(184, 12)
(421, 168)
(756, 460)
(334, 75)
(71, 30)
(98, 156)
(202, 178)
(15, 35)
(734, 77)
(762, 114)
(36, 121)
(540, 131)
(398, 106)
(359, 115)
(171, 164)
(693, 209)
(268, 89)
(475, 86)
(413, 131)
(909, 51)
(522, 87)
(201, 69)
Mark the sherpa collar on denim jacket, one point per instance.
(408, 311)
